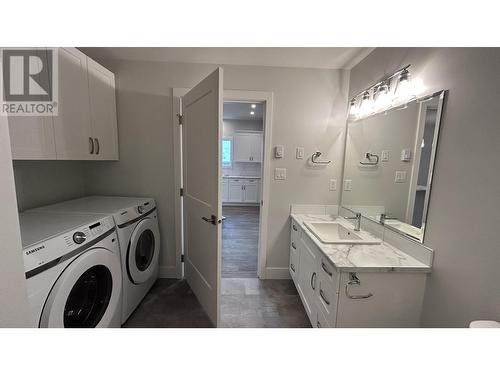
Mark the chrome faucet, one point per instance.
(357, 224)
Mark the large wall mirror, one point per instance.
(389, 161)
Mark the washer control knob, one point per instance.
(140, 209)
(79, 237)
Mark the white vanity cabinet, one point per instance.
(352, 299)
(248, 147)
(85, 127)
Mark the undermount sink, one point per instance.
(336, 233)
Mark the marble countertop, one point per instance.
(247, 177)
(361, 258)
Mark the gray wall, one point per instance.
(39, 183)
(309, 111)
(464, 212)
(13, 298)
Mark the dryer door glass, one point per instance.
(144, 250)
(89, 298)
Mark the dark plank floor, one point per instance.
(245, 303)
(240, 238)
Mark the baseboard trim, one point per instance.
(277, 273)
(168, 272)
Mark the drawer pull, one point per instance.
(353, 280)
(322, 295)
(292, 267)
(293, 245)
(294, 227)
(323, 265)
(313, 281)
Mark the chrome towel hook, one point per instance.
(315, 157)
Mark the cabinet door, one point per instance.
(225, 191)
(32, 137)
(72, 125)
(251, 191)
(103, 111)
(256, 148)
(235, 191)
(242, 147)
(308, 280)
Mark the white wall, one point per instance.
(309, 111)
(464, 211)
(13, 298)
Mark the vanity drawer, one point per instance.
(296, 232)
(327, 270)
(294, 261)
(327, 298)
(321, 321)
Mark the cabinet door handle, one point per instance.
(292, 267)
(323, 265)
(97, 146)
(293, 245)
(313, 281)
(322, 295)
(91, 145)
(294, 227)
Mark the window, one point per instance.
(227, 151)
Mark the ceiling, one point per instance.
(242, 111)
(294, 57)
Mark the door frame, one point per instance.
(265, 97)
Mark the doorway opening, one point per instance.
(241, 185)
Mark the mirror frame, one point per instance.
(442, 94)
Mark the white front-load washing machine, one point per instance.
(72, 270)
(136, 221)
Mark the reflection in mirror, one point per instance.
(389, 159)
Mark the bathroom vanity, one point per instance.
(360, 282)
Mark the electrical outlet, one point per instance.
(299, 153)
(405, 154)
(280, 173)
(347, 185)
(400, 176)
(333, 184)
(385, 155)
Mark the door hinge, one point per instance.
(182, 258)
(179, 116)
(181, 192)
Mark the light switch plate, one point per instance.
(280, 173)
(333, 184)
(400, 176)
(405, 154)
(299, 153)
(347, 185)
(279, 151)
(385, 155)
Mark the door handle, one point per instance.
(91, 145)
(97, 146)
(213, 219)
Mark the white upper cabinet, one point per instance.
(248, 147)
(85, 127)
(72, 125)
(33, 136)
(103, 111)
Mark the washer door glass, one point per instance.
(89, 298)
(143, 251)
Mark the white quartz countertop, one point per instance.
(235, 176)
(361, 258)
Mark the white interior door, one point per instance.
(202, 132)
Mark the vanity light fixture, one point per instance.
(254, 105)
(391, 91)
(252, 113)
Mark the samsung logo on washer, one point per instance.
(35, 249)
